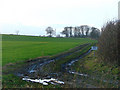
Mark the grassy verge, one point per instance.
(99, 72)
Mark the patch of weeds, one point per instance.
(12, 81)
(115, 71)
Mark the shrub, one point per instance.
(108, 42)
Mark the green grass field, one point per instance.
(17, 48)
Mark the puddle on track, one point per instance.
(78, 73)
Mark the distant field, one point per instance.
(19, 48)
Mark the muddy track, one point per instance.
(33, 65)
(36, 70)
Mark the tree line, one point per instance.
(82, 31)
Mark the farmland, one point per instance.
(27, 59)
(19, 48)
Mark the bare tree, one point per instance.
(82, 30)
(79, 33)
(49, 31)
(70, 31)
(75, 32)
(65, 32)
(86, 30)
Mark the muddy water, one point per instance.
(68, 64)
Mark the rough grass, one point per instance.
(20, 48)
(100, 71)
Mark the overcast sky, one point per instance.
(33, 16)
